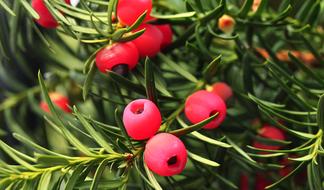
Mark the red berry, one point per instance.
(165, 154)
(244, 182)
(167, 34)
(128, 11)
(149, 43)
(222, 90)
(142, 119)
(46, 19)
(226, 24)
(117, 54)
(287, 167)
(59, 100)
(269, 132)
(203, 104)
(261, 181)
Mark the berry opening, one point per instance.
(137, 108)
(172, 161)
(213, 113)
(120, 69)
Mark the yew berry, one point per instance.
(149, 43)
(222, 90)
(128, 11)
(142, 119)
(261, 181)
(226, 24)
(203, 104)
(269, 132)
(167, 34)
(244, 182)
(59, 100)
(118, 57)
(46, 19)
(165, 154)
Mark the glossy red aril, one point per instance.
(203, 104)
(226, 24)
(46, 18)
(117, 55)
(149, 43)
(142, 119)
(269, 132)
(128, 11)
(165, 154)
(167, 34)
(59, 100)
(222, 90)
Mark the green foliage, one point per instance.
(89, 149)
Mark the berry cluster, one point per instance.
(154, 38)
(164, 154)
(261, 179)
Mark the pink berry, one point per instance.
(222, 90)
(149, 43)
(117, 54)
(203, 104)
(269, 132)
(167, 34)
(128, 11)
(142, 119)
(165, 154)
(59, 100)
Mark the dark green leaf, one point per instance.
(149, 81)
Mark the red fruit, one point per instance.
(203, 104)
(128, 11)
(167, 34)
(222, 90)
(165, 154)
(59, 100)
(46, 19)
(244, 182)
(226, 24)
(117, 54)
(261, 182)
(142, 119)
(149, 43)
(68, 1)
(287, 169)
(269, 132)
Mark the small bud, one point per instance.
(226, 24)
